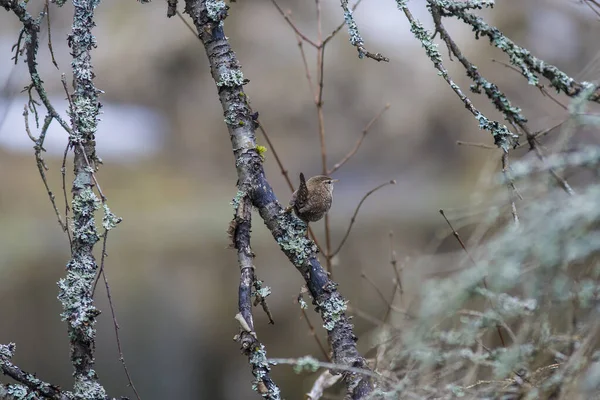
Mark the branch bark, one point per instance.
(251, 347)
(75, 291)
(287, 230)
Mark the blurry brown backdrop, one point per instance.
(169, 173)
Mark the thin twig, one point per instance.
(91, 170)
(102, 258)
(47, 9)
(484, 280)
(313, 333)
(365, 131)
(321, 123)
(389, 305)
(114, 318)
(288, 19)
(370, 192)
(512, 190)
(331, 366)
(63, 171)
(538, 85)
(306, 69)
(501, 102)
(398, 284)
(42, 168)
(474, 144)
(283, 170)
(189, 26)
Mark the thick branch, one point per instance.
(75, 291)
(288, 231)
(251, 347)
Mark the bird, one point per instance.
(313, 198)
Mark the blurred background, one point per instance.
(168, 171)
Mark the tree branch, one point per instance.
(288, 231)
(32, 384)
(75, 291)
(251, 347)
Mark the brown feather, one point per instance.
(313, 198)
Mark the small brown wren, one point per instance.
(313, 198)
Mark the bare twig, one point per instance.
(370, 192)
(283, 170)
(47, 10)
(484, 280)
(512, 190)
(42, 168)
(311, 328)
(306, 69)
(114, 318)
(398, 284)
(479, 145)
(288, 19)
(538, 85)
(365, 131)
(389, 305)
(63, 171)
(310, 363)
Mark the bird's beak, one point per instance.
(335, 180)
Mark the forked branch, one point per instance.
(286, 228)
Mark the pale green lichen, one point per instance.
(235, 202)
(260, 290)
(89, 388)
(454, 6)
(425, 37)
(332, 310)
(355, 38)
(231, 78)
(109, 220)
(293, 240)
(306, 363)
(498, 98)
(234, 112)
(503, 137)
(402, 4)
(7, 351)
(302, 303)
(215, 9)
